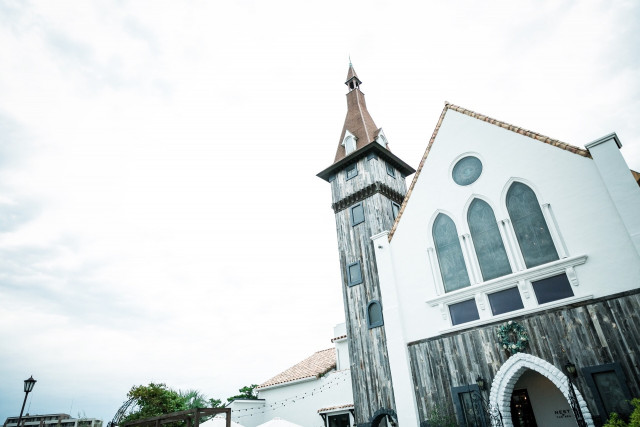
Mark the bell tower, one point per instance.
(367, 187)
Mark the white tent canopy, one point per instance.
(218, 422)
(279, 422)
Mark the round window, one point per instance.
(467, 170)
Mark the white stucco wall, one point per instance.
(299, 402)
(342, 346)
(579, 208)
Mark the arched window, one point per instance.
(452, 266)
(374, 314)
(487, 240)
(531, 229)
(349, 142)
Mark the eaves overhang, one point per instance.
(372, 147)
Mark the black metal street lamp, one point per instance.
(571, 369)
(573, 399)
(28, 386)
(480, 382)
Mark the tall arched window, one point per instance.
(531, 229)
(487, 240)
(374, 314)
(450, 259)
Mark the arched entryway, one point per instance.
(534, 389)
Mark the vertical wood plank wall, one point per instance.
(370, 372)
(590, 333)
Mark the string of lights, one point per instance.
(339, 377)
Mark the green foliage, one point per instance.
(157, 399)
(440, 417)
(246, 392)
(193, 399)
(154, 400)
(634, 420)
(615, 421)
(215, 403)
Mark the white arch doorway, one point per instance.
(511, 372)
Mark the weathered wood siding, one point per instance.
(370, 372)
(591, 333)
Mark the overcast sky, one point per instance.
(160, 217)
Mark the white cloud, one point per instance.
(160, 215)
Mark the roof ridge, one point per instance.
(319, 363)
(519, 130)
(522, 131)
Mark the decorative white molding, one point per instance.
(443, 311)
(513, 249)
(604, 139)
(435, 271)
(510, 280)
(572, 276)
(524, 289)
(511, 314)
(556, 236)
(473, 265)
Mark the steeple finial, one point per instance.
(353, 81)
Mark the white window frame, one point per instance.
(521, 279)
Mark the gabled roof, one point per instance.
(447, 106)
(313, 366)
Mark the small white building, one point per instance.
(315, 392)
(52, 420)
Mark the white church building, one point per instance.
(500, 288)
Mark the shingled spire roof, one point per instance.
(358, 120)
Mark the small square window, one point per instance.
(463, 312)
(505, 301)
(354, 273)
(352, 171)
(357, 214)
(391, 171)
(552, 288)
(396, 209)
(372, 156)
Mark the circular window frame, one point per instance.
(457, 161)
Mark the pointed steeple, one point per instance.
(359, 128)
(360, 136)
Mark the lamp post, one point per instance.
(573, 399)
(28, 386)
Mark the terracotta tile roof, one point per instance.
(333, 408)
(338, 338)
(534, 135)
(636, 176)
(313, 366)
